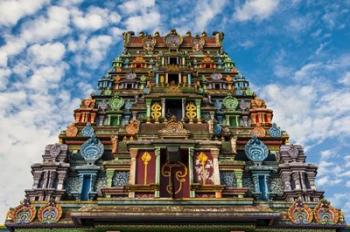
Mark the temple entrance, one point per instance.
(173, 108)
(174, 173)
(173, 79)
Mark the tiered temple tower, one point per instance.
(174, 140)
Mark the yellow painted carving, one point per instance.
(191, 111)
(156, 111)
(202, 158)
(180, 175)
(146, 157)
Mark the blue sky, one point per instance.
(296, 54)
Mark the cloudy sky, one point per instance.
(296, 55)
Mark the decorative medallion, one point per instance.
(50, 213)
(300, 213)
(173, 39)
(324, 213)
(156, 112)
(71, 130)
(216, 76)
(24, 213)
(149, 43)
(198, 44)
(120, 179)
(116, 102)
(92, 150)
(88, 130)
(132, 128)
(191, 111)
(275, 131)
(230, 103)
(256, 150)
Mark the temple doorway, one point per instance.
(173, 108)
(174, 173)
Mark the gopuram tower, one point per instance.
(174, 140)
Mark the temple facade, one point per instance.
(174, 140)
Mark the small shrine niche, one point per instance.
(207, 63)
(138, 63)
(86, 112)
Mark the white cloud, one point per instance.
(346, 79)
(136, 5)
(46, 54)
(95, 18)
(146, 21)
(13, 10)
(255, 9)
(46, 28)
(207, 10)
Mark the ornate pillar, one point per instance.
(286, 177)
(183, 108)
(302, 180)
(61, 177)
(163, 107)
(215, 154)
(311, 177)
(109, 174)
(36, 176)
(148, 109)
(190, 169)
(157, 79)
(157, 154)
(132, 176)
(198, 105)
(295, 176)
(189, 80)
(239, 177)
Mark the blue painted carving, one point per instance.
(275, 131)
(85, 189)
(262, 187)
(146, 90)
(128, 105)
(218, 104)
(217, 129)
(120, 179)
(238, 91)
(228, 179)
(88, 131)
(92, 150)
(256, 150)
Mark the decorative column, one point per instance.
(286, 177)
(36, 176)
(215, 154)
(61, 177)
(311, 177)
(183, 108)
(295, 176)
(239, 176)
(109, 175)
(189, 80)
(198, 105)
(190, 170)
(148, 110)
(132, 176)
(163, 108)
(157, 154)
(157, 79)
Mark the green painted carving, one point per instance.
(230, 103)
(116, 102)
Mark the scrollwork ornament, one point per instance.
(275, 131)
(300, 213)
(116, 102)
(92, 150)
(256, 150)
(24, 213)
(88, 131)
(324, 213)
(230, 103)
(50, 213)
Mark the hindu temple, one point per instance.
(174, 139)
